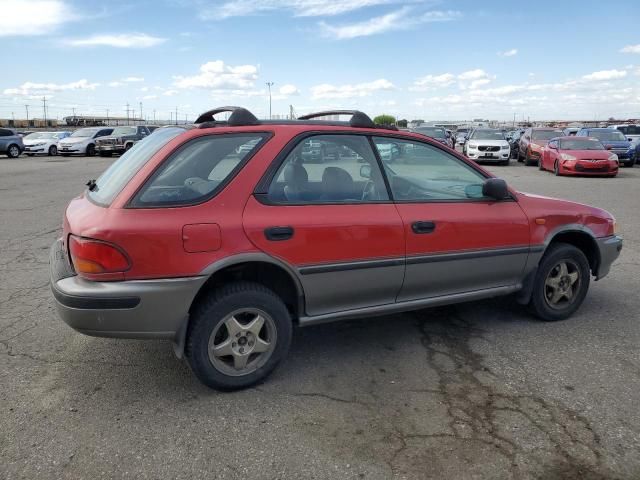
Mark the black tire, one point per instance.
(29, 154)
(504, 163)
(105, 154)
(540, 167)
(555, 254)
(53, 151)
(91, 150)
(556, 169)
(210, 314)
(128, 146)
(13, 151)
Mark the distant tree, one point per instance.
(402, 123)
(384, 120)
(417, 122)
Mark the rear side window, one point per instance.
(199, 170)
(5, 133)
(114, 179)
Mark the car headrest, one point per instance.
(296, 174)
(338, 182)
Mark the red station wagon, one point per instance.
(223, 236)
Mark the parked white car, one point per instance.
(82, 142)
(43, 143)
(487, 145)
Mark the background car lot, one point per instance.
(478, 389)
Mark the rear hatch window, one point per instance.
(116, 177)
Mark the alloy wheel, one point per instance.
(562, 284)
(242, 342)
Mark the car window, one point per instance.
(329, 169)
(5, 133)
(113, 180)
(198, 170)
(104, 133)
(424, 172)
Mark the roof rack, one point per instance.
(358, 119)
(239, 117)
(242, 117)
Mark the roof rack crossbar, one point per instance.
(358, 118)
(239, 116)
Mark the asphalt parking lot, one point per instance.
(479, 390)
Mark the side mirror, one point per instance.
(630, 139)
(495, 188)
(365, 171)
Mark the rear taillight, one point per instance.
(95, 257)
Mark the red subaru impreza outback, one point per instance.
(223, 236)
(578, 156)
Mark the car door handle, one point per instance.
(277, 234)
(423, 227)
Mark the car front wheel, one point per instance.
(237, 336)
(561, 283)
(53, 151)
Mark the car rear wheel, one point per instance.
(13, 151)
(556, 169)
(561, 283)
(91, 150)
(237, 336)
(53, 151)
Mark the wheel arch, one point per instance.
(255, 267)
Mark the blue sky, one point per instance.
(419, 59)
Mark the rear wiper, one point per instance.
(91, 184)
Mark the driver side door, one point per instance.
(457, 240)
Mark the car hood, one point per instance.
(72, 140)
(490, 142)
(39, 140)
(588, 154)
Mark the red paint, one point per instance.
(177, 242)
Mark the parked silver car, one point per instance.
(10, 143)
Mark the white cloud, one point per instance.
(32, 88)
(401, 19)
(119, 40)
(631, 49)
(170, 93)
(299, 8)
(133, 79)
(116, 84)
(473, 74)
(433, 81)
(326, 90)
(144, 89)
(149, 97)
(289, 89)
(34, 17)
(509, 53)
(605, 75)
(478, 83)
(217, 75)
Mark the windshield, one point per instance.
(84, 132)
(630, 129)
(581, 144)
(123, 131)
(40, 135)
(487, 135)
(114, 179)
(608, 135)
(431, 132)
(545, 134)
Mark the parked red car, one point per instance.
(578, 156)
(532, 141)
(224, 236)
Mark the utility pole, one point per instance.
(514, 121)
(170, 117)
(107, 117)
(26, 107)
(185, 118)
(127, 113)
(140, 110)
(44, 109)
(176, 114)
(269, 85)
(154, 116)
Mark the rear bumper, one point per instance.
(609, 248)
(127, 309)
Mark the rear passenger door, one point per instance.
(457, 241)
(326, 212)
